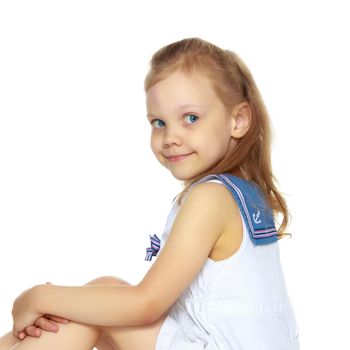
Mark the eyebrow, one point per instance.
(184, 106)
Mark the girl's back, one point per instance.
(240, 302)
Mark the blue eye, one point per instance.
(156, 120)
(193, 118)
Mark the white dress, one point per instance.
(239, 303)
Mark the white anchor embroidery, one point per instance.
(256, 217)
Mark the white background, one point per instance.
(80, 190)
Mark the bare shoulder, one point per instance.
(218, 198)
(209, 203)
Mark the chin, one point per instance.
(184, 177)
(179, 177)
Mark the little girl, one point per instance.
(217, 281)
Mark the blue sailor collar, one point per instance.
(255, 210)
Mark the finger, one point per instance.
(33, 331)
(46, 324)
(21, 335)
(57, 319)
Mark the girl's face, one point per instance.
(191, 130)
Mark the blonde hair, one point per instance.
(233, 83)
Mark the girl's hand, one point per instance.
(24, 311)
(46, 323)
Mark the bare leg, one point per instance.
(8, 341)
(72, 336)
(75, 336)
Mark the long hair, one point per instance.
(233, 83)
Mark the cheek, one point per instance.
(210, 145)
(218, 142)
(155, 144)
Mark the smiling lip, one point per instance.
(179, 157)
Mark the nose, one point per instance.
(172, 136)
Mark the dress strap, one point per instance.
(255, 210)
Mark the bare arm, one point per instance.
(99, 305)
(118, 305)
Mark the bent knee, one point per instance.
(107, 280)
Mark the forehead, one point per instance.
(179, 90)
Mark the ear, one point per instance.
(241, 117)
